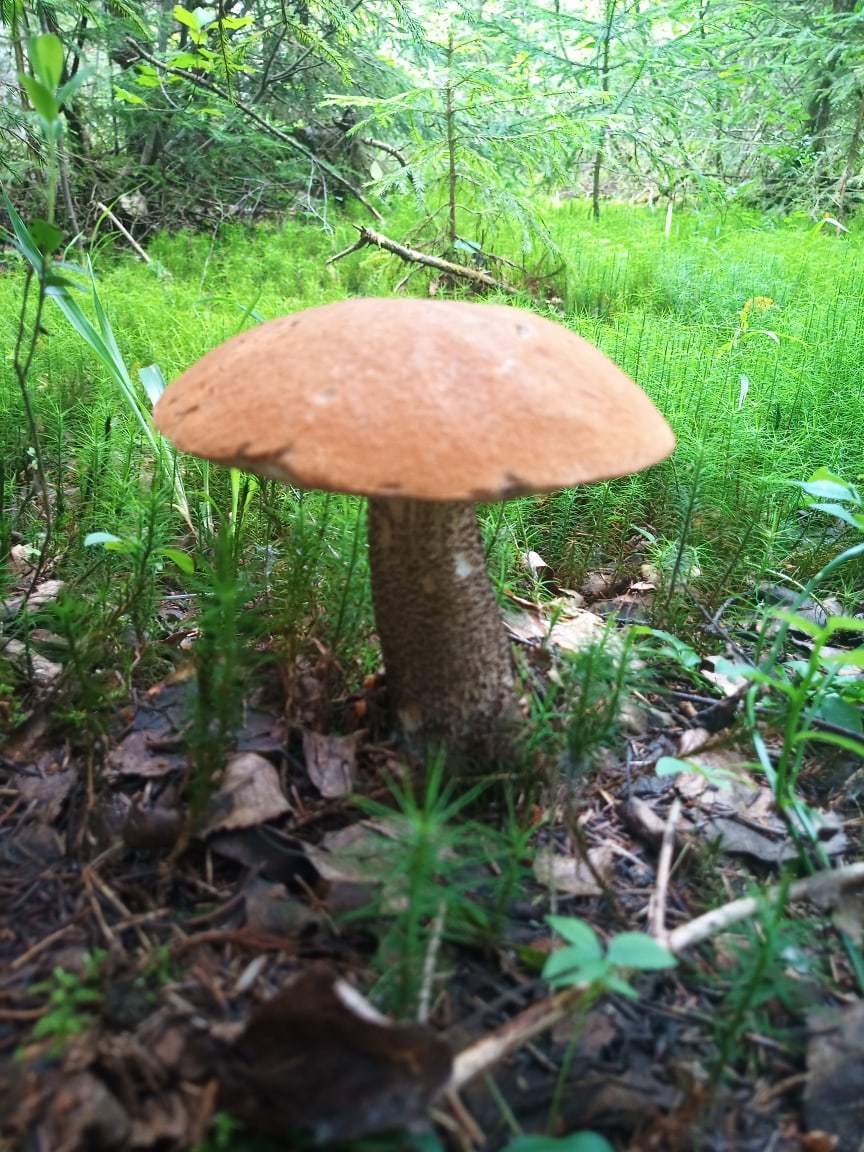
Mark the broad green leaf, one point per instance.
(94, 538)
(835, 710)
(41, 98)
(66, 91)
(638, 950)
(153, 382)
(182, 559)
(187, 19)
(826, 489)
(126, 96)
(617, 984)
(841, 512)
(671, 766)
(577, 933)
(48, 236)
(46, 58)
(25, 243)
(569, 966)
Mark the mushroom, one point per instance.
(426, 407)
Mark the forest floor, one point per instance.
(204, 819)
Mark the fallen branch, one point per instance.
(271, 129)
(664, 871)
(822, 885)
(485, 1053)
(124, 231)
(382, 146)
(413, 256)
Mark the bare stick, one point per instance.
(823, 885)
(414, 256)
(388, 148)
(429, 963)
(664, 869)
(492, 1049)
(121, 227)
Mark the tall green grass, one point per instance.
(752, 410)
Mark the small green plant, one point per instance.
(770, 957)
(579, 711)
(445, 877)
(584, 965)
(73, 999)
(224, 653)
(584, 961)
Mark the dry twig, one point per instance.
(415, 256)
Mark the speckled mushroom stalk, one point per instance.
(446, 654)
(426, 407)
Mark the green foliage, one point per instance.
(584, 960)
(73, 1000)
(578, 713)
(224, 654)
(444, 877)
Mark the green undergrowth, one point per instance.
(747, 331)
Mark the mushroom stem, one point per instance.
(447, 657)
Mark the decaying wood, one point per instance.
(414, 256)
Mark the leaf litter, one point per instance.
(216, 974)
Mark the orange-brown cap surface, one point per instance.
(431, 399)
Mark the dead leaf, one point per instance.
(134, 756)
(250, 794)
(22, 557)
(576, 632)
(47, 784)
(84, 1115)
(571, 875)
(534, 562)
(597, 585)
(524, 624)
(163, 1121)
(729, 685)
(43, 673)
(272, 911)
(320, 1059)
(331, 762)
(41, 595)
(357, 854)
(692, 739)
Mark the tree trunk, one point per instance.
(446, 653)
(604, 86)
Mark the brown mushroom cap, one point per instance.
(430, 399)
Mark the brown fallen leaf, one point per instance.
(249, 794)
(572, 876)
(331, 762)
(319, 1059)
(43, 673)
(43, 594)
(134, 756)
(46, 786)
